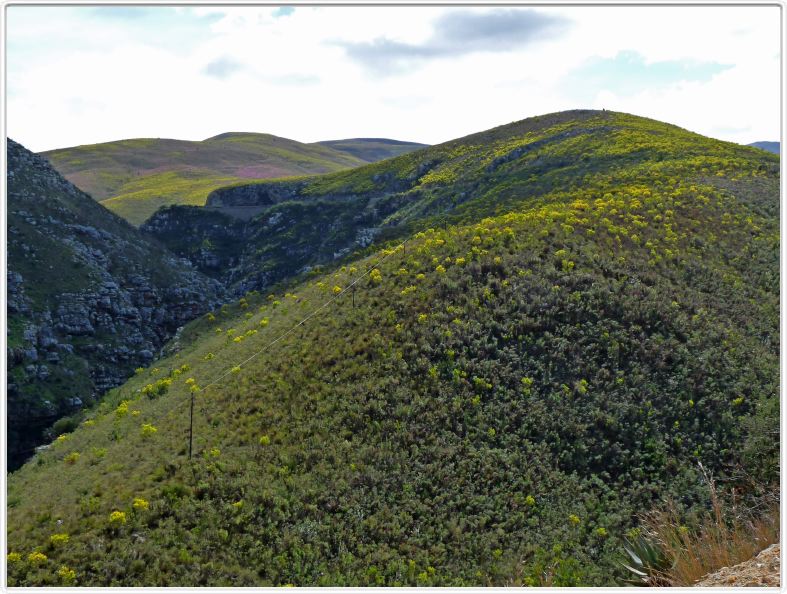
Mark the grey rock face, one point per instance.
(89, 298)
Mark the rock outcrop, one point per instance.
(89, 299)
(761, 571)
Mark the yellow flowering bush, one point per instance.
(36, 558)
(148, 430)
(140, 504)
(72, 458)
(66, 574)
(117, 519)
(13, 557)
(58, 540)
(265, 440)
(122, 409)
(236, 369)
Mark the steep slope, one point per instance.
(305, 222)
(135, 177)
(771, 147)
(373, 149)
(493, 404)
(89, 299)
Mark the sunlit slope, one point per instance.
(134, 177)
(505, 396)
(373, 149)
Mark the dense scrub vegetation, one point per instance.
(494, 405)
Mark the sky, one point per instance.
(87, 74)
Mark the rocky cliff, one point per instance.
(89, 299)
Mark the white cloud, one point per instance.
(74, 78)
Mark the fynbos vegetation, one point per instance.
(494, 402)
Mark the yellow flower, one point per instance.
(215, 452)
(148, 430)
(117, 519)
(337, 289)
(13, 557)
(440, 269)
(573, 518)
(190, 381)
(66, 574)
(208, 357)
(236, 369)
(71, 458)
(265, 440)
(140, 503)
(264, 322)
(36, 558)
(58, 540)
(422, 318)
(122, 409)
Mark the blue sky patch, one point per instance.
(283, 11)
(628, 73)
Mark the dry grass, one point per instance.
(728, 535)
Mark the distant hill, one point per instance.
(767, 145)
(135, 177)
(373, 149)
(89, 299)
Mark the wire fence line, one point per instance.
(312, 314)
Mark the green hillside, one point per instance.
(495, 402)
(135, 177)
(373, 149)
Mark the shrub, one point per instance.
(122, 409)
(58, 540)
(148, 430)
(72, 458)
(265, 440)
(66, 574)
(117, 519)
(36, 558)
(140, 504)
(13, 557)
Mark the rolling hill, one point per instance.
(133, 178)
(373, 149)
(770, 146)
(554, 323)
